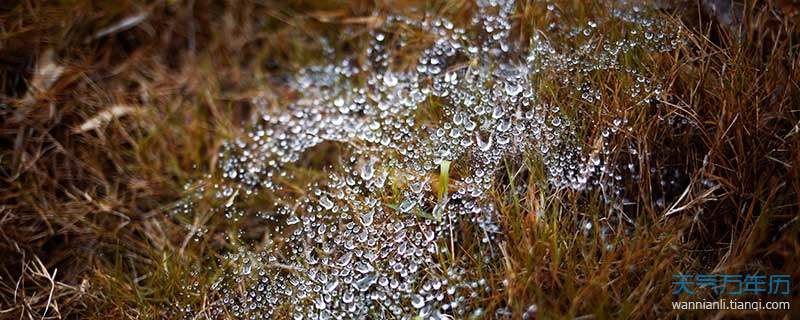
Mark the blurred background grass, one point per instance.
(109, 109)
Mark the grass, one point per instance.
(88, 227)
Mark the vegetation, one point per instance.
(111, 112)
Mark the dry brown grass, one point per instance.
(99, 133)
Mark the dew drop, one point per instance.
(407, 205)
(326, 202)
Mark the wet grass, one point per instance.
(87, 202)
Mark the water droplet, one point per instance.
(417, 301)
(347, 297)
(326, 202)
(246, 268)
(345, 259)
(368, 170)
(513, 88)
(483, 145)
(497, 112)
(504, 125)
(367, 281)
(407, 205)
(389, 79)
(330, 286)
(366, 218)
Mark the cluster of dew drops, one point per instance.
(341, 251)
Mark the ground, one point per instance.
(112, 112)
